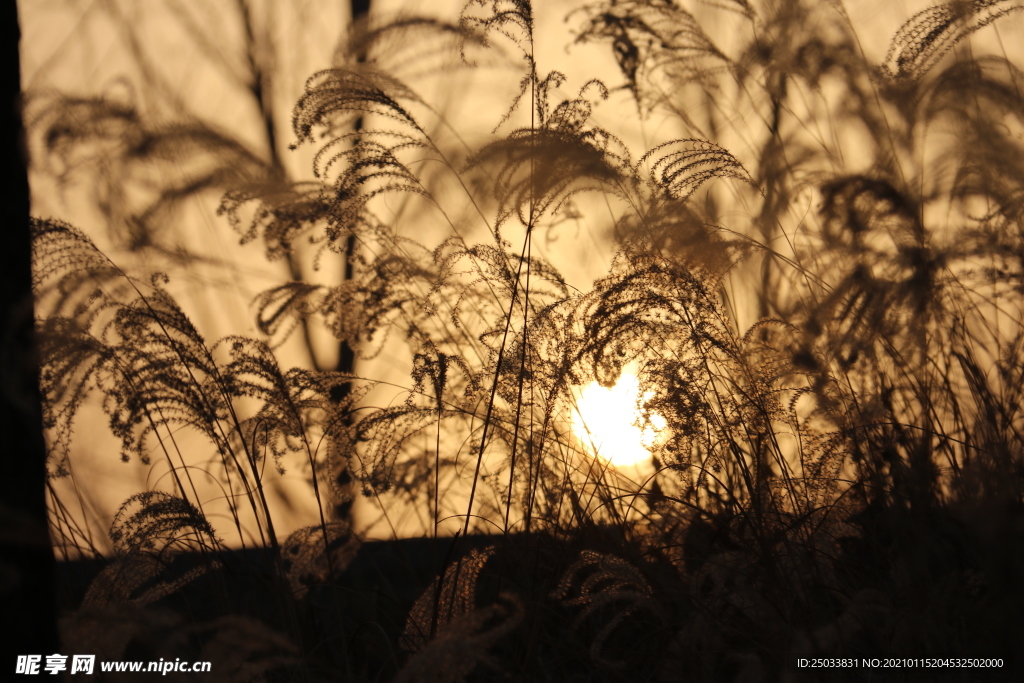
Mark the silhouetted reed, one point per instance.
(825, 323)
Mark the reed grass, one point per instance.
(818, 281)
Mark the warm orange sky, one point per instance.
(193, 60)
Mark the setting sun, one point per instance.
(607, 421)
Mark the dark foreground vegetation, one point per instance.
(819, 283)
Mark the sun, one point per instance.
(607, 422)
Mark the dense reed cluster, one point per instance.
(818, 283)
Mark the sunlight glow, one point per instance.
(607, 421)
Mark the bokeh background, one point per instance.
(235, 68)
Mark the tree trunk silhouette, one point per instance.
(26, 558)
(346, 355)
